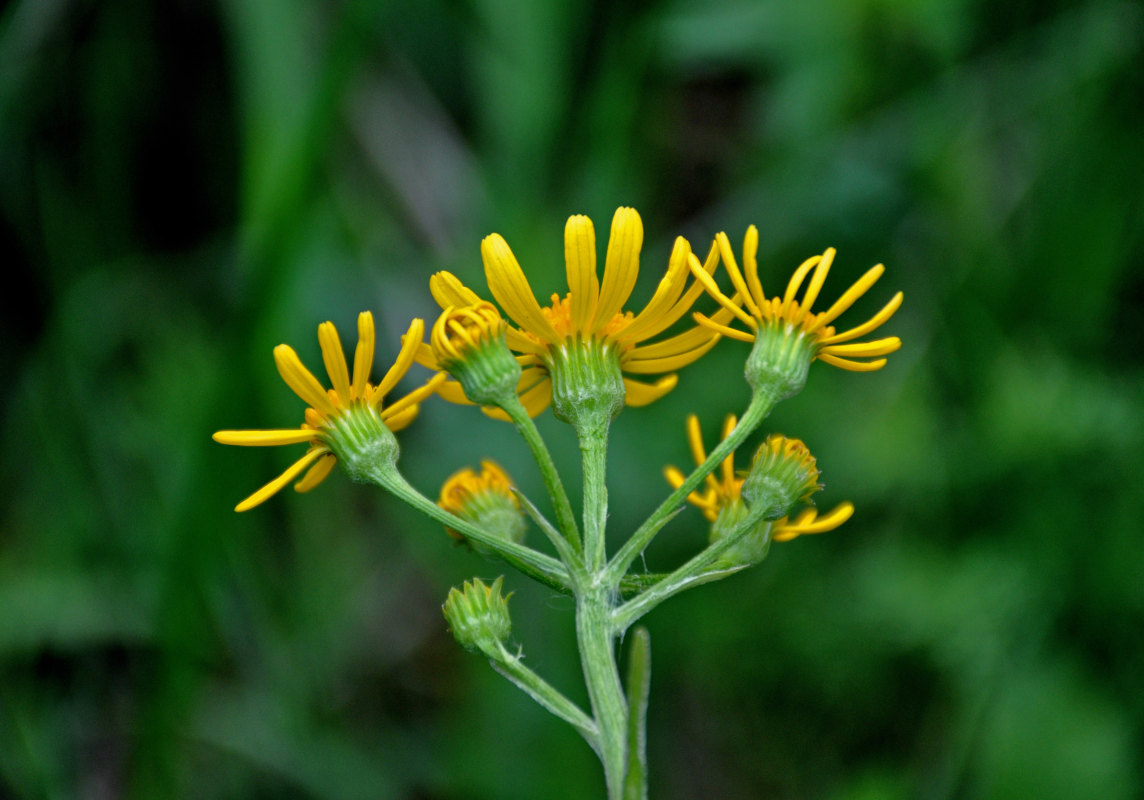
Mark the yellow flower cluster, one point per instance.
(592, 314)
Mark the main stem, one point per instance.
(594, 634)
(595, 602)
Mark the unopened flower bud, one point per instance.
(485, 499)
(469, 344)
(783, 473)
(478, 616)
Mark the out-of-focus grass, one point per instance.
(185, 185)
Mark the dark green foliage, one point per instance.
(184, 185)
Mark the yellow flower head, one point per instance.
(761, 312)
(593, 310)
(726, 490)
(328, 407)
(465, 485)
(460, 331)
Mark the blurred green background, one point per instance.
(186, 184)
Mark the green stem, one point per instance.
(760, 405)
(546, 695)
(594, 634)
(639, 684)
(695, 572)
(536, 565)
(594, 454)
(570, 557)
(565, 518)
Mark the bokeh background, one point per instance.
(185, 184)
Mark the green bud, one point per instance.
(486, 499)
(478, 617)
(783, 473)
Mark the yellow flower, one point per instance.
(838, 349)
(592, 310)
(725, 491)
(328, 407)
(486, 499)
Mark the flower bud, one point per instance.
(783, 473)
(469, 344)
(486, 500)
(478, 617)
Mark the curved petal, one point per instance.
(852, 366)
(410, 343)
(684, 303)
(413, 398)
(673, 361)
(275, 486)
(402, 419)
(453, 392)
(751, 262)
(363, 356)
(448, 290)
(651, 319)
(267, 438)
(621, 265)
(580, 264)
(511, 289)
(817, 279)
(640, 394)
(878, 347)
(848, 297)
(729, 303)
(874, 322)
(317, 473)
(730, 333)
(736, 276)
(335, 360)
(298, 378)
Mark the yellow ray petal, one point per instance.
(537, 398)
(580, 264)
(413, 398)
(424, 355)
(298, 378)
(673, 361)
(409, 346)
(852, 366)
(448, 290)
(265, 438)
(752, 303)
(652, 319)
(453, 392)
(729, 303)
(796, 280)
(806, 523)
(363, 355)
(817, 280)
(878, 347)
(510, 288)
(621, 265)
(848, 297)
(751, 262)
(640, 394)
(684, 303)
(275, 486)
(729, 462)
(731, 333)
(674, 477)
(335, 360)
(874, 322)
(317, 473)
(403, 418)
